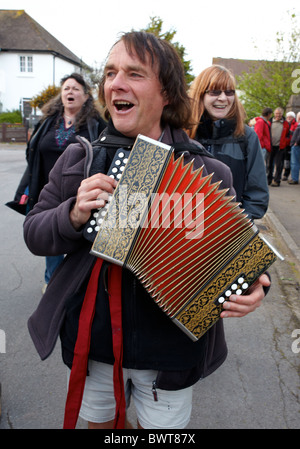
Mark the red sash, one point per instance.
(82, 346)
(115, 304)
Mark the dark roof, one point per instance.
(19, 32)
(237, 66)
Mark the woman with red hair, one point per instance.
(219, 125)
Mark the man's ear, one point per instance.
(166, 98)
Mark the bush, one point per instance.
(11, 117)
(42, 98)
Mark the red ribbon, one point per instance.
(82, 346)
(115, 304)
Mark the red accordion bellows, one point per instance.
(170, 264)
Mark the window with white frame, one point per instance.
(29, 64)
(22, 64)
(26, 64)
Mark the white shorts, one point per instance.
(172, 410)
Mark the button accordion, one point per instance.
(189, 244)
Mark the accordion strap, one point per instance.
(192, 148)
(82, 346)
(115, 305)
(81, 351)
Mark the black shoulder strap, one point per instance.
(109, 140)
(191, 148)
(123, 142)
(242, 141)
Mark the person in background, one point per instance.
(291, 119)
(71, 113)
(263, 130)
(252, 122)
(280, 139)
(219, 125)
(146, 356)
(295, 154)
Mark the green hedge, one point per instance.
(11, 117)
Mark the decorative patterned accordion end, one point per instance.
(188, 243)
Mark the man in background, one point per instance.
(279, 136)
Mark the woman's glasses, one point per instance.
(217, 93)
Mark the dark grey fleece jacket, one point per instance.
(48, 231)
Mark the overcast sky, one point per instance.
(207, 29)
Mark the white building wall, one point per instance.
(63, 68)
(16, 85)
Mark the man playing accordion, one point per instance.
(143, 355)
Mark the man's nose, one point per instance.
(119, 81)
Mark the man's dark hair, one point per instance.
(170, 74)
(266, 111)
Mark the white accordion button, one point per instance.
(89, 230)
(121, 155)
(245, 286)
(239, 291)
(234, 287)
(241, 280)
(228, 293)
(221, 300)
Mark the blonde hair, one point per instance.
(214, 78)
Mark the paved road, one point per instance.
(258, 385)
(284, 211)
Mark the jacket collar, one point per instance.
(208, 129)
(110, 137)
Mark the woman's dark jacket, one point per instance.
(32, 178)
(244, 157)
(151, 340)
(95, 126)
(296, 137)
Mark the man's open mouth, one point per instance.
(123, 105)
